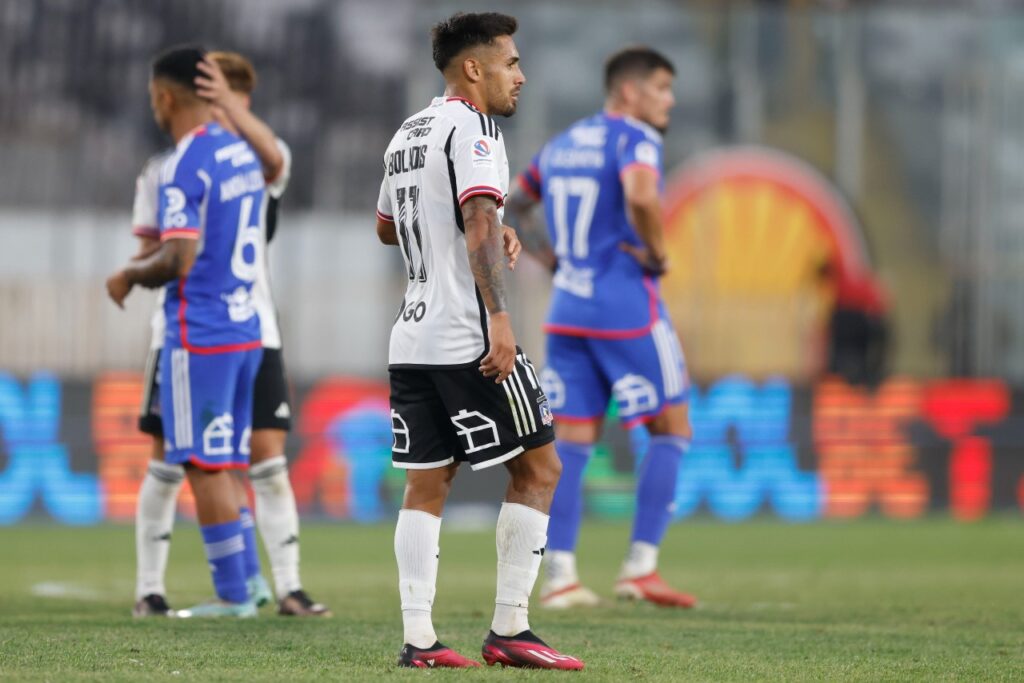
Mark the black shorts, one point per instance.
(150, 421)
(446, 415)
(271, 405)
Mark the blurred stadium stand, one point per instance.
(909, 107)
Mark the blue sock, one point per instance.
(656, 487)
(224, 551)
(567, 505)
(252, 555)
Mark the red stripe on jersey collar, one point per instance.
(462, 99)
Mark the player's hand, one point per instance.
(512, 246)
(118, 287)
(652, 264)
(501, 359)
(213, 85)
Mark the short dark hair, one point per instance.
(180, 65)
(637, 60)
(462, 30)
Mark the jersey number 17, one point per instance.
(585, 190)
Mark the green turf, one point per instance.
(928, 600)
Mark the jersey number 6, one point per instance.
(247, 235)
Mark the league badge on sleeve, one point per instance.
(482, 153)
(647, 153)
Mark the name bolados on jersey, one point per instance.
(440, 158)
(212, 190)
(599, 290)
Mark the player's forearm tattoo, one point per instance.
(486, 249)
(158, 269)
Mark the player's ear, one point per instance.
(629, 90)
(472, 69)
(167, 97)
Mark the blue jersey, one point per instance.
(599, 290)
(212, 190)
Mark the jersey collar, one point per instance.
(462, 99)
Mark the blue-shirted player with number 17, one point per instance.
(609, 335)
(211, 204)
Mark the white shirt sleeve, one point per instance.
(478, 160)
(384, 210)
(144, 207)
(278, 185)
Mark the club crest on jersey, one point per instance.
(545, 413)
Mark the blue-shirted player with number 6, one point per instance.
(609, 335)
(211, 194)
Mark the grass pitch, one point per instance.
(865, 601)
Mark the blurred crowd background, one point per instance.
(844, 189)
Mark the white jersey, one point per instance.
(439, 158)
(262, 295)
(144, 224)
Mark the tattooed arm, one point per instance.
(485, 244)
(520, 208)
(172, 260)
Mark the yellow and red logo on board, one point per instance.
(759, 243)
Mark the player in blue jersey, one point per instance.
(229, 82)
(609, 335)
(211, 194)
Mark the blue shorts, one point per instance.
(644, 374)
(206, 406)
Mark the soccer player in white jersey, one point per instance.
(609, 334)
(229, 80)
(461, 391)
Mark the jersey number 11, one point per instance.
(409, 218)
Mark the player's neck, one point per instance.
(188, 120)
(466, 93)
(618, 109)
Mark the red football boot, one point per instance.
(652, 588)
(435, 657)
(527, 651)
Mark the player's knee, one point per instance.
(673, 421)
(266, 443)
(429, 484)
(157, 451)
(541, 474)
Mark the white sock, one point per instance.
(416, 549)
(154, 521)
(641, 560)
(277, 518)
(560, 571)
(521, 535)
